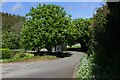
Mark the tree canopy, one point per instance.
(81, 27)
(45, 26)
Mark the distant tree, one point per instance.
(10, 40)
(82, 32)
(11, 22)
(11, 26)
(45, 26)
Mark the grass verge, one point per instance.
(29, 59)
(75, 46)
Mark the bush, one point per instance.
(23, 55)
(6, 53)
(85, 68)
(10, 40)
(17, 51)
(29, 55)
(19, 55)
(105, 44)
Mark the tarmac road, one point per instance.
(59, 68)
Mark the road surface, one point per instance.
(59, 68)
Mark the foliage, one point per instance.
(23, 55)
(10, 40)
(11, 26)
(104, 42)
(103, 46)
(8, 56)
(88, 69)
(20, 55)
(5, 53)
(85, 68)
(45, 26)
(17, 51)
(29, 55)
(97, 30)
(81, 26)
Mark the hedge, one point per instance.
(5, 53)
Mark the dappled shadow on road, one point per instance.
(76, 49)
(60, 55)
(73, 49)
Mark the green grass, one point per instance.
(75, 46)
(29, 59)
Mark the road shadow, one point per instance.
(59, 55)
(62, 55)
(76, 49)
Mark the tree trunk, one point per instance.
(84, 48)
(55, 49)
(49, 48)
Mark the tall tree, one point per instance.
(45, 26)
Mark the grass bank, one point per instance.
(35, 58)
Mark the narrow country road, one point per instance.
(59, 68)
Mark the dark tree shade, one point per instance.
(105, 43)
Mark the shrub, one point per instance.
(6, 53)
(23, 55)
(29, 55)
(105, 34)
(85, 68)
(17, 51)
(19, 55)
(10, 40)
